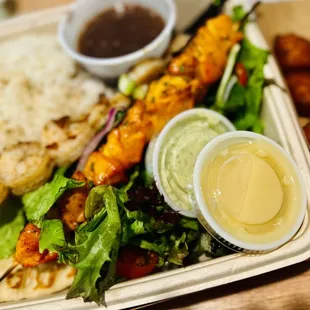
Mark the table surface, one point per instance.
(286, 289)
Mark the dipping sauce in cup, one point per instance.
(249, 192)
(120, 30)
(108, 37)
(176, 151)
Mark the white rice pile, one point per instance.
(39, 83)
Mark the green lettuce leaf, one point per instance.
(38, 202)
(188, 223)
(238, 13)
(208, 246)
(132, 179)
(218, 2)
(243, 105)
(12, 221)
(131, 230)
(254, 59)
(236, 100)
(52, 235)
(259, 126)
(159, 245)
(179, 250)
(95, 251)
(252, 56)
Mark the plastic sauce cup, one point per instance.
(175, 153)
(238, 236)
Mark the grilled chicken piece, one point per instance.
(27, 248)
(72, 203)
(206, 55)
(25, 167)
(299, 85)
(292, 51)
(202, 63)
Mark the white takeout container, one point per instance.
(213, 149)
(281, 125)
(209, 114)
(83, 11)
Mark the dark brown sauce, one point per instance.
(113, 33)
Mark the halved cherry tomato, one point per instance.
(134, 262)
(241, 73)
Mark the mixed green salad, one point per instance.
(130, 231)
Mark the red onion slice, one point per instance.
(95, 141)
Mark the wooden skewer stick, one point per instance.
(8, 271)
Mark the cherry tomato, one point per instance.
(135, 262)
(241, 73)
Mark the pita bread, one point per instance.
(28, 283)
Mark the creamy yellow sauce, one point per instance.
(251, 191)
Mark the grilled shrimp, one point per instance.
(65, 139)
(24, 167)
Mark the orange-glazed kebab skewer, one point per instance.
(187, 79)
(189, 75)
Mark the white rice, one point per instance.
(39, 83)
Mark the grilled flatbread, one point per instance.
(36, 282)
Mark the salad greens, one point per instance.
(218, 2)
(95, 250)
(133, 215)
(52, 235)
(253, 59)
(38, 202)
(238, 13)
(12, 221)
(242, 103)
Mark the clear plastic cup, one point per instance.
(224, 234)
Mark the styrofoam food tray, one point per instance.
(281, 125)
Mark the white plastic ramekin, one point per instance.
(83, 11)
(204, 215)
(159, 143)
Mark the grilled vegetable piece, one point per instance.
(299, 86)
(292, 51)
(201, 64)
(147, 70)
(178, 43)
(27, 248)
(25, 167)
